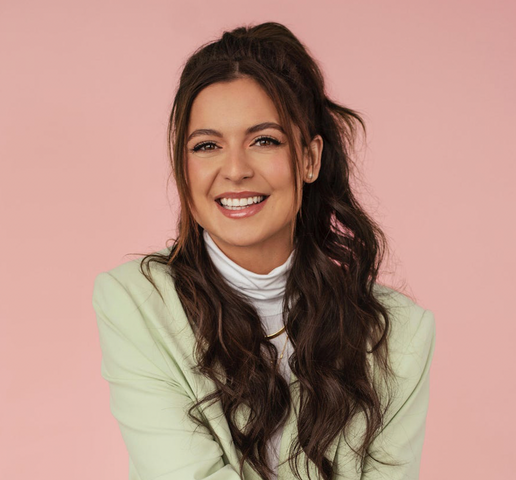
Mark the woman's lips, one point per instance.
(243, 212)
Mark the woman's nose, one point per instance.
(236, 165)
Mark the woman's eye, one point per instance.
(200, 147)
(272, 141)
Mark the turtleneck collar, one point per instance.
(261, 288)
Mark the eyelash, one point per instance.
(202, 144)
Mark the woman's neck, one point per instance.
(260, 259)
(255, 285)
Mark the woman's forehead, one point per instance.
(233, 105)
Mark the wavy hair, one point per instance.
(333, 316)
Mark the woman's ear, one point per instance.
(312, 159)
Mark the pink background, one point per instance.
(85, 92)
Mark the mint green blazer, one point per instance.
(147, 354)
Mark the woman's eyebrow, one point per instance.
(253, 129)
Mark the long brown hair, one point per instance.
(336, 321)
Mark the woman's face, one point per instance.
(236, 152)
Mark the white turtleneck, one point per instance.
(266, 294)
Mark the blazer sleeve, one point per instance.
(401, 439)
(148, 403)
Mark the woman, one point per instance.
(260, 345)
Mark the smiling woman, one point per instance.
(248, 168)
(274, 254)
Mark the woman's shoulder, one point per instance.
(130, 273)
(412, 326)
(125, 287)
(141, 325)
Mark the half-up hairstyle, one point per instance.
(333, 315)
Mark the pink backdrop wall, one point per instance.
(85, 92)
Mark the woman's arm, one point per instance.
(402, 436)
(148, 403)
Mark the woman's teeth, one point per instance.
(239, 203)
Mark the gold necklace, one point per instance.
(274, 335)
(279, 332)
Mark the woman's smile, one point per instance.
(252, 206)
